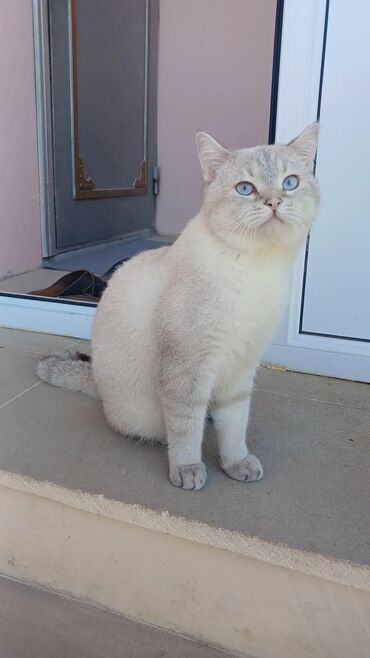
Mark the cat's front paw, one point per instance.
(248, 469)
(189, 476)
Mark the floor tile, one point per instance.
(296, 384)
(29, 341)
(16, 374)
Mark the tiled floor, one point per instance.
(35, 623)
(311, 433)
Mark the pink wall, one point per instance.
(215, 61)
(19, 192)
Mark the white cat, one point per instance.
(179, 331)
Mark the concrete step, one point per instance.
(271, 569)
(35, 623)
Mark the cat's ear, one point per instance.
(306, 144)
(211, 155)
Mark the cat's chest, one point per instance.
(251, 305)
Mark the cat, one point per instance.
(179, 331)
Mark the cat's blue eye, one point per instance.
(290, 183)
(244, 188)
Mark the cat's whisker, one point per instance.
(297, 223)
(245, 232)
(236, 227)
(234, 222)
(248, 231)
(300, 223)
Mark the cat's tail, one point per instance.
(71, 370)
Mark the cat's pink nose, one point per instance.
(273, 203)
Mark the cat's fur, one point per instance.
(179, 331)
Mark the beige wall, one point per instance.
(20, 241)
(215, 61)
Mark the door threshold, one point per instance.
(93, 247)
(104, 260)
(62, 317)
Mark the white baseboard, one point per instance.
(51, 317)
(321, 355)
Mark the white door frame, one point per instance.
(301, 66)
(61, 317)
(44, 125)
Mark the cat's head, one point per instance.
(260, 195)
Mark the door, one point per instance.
(336, 299)
(324, 71)
(103, 59)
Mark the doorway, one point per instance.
(102, 63)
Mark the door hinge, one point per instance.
(156, 177)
